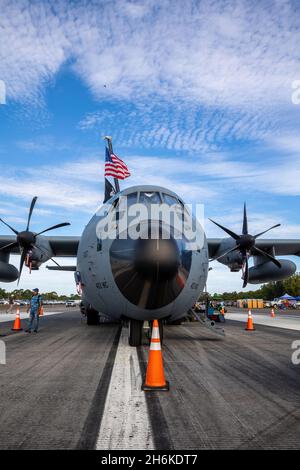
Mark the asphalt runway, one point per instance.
(72, 386)
(287, 319)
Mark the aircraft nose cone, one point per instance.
(246, 241)
(157, 259)
(150, 272)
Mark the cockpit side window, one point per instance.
(99, 244)
(115, 203)
(131, 199)
(170, 200)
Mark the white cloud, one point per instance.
(240, 56)
(32, 48)
(41, 144)
(182, 126)
(218, 173)
(73, 191)
(194, 74)
(77, 186)
(289, 143)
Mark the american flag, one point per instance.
(115, 167)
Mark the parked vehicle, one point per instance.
(21, 303)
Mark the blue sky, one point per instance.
(197, 96)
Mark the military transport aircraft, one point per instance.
(145, 278)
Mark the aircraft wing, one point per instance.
(6, 239)
(67, 246)
(281, 246)
(64, 246)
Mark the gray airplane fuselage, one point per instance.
(142, 279)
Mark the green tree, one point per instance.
(3, 294)
(267, 291)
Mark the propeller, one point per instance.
(26, 239)
(245, 244)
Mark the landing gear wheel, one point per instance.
(92, 316)
(135, 332)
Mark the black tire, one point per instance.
(135, 332)
(92, 316)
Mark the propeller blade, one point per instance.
(261, 233)
(226, 253)
(245, 221)
(230, 233)
(30, 211)
(12, 229)
(54, 226)
(264, 253)
(246, 272)
(22, 260)
(10, 245)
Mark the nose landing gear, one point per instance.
(135, 332)
(92, 316)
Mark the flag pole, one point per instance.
(110, 149)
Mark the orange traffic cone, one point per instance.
(272, 313)
(250, 326)
(17, 322)
(41, 311)
(223, 311)
(155, 377)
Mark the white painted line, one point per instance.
(23, 315)
(288, 323)
(125, 423)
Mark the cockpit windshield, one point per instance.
(150, 198)
(170, 200)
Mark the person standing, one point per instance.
(36, 303)
(10, 304)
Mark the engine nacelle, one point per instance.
(232, 260)
(267, 272)
(8, 272)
